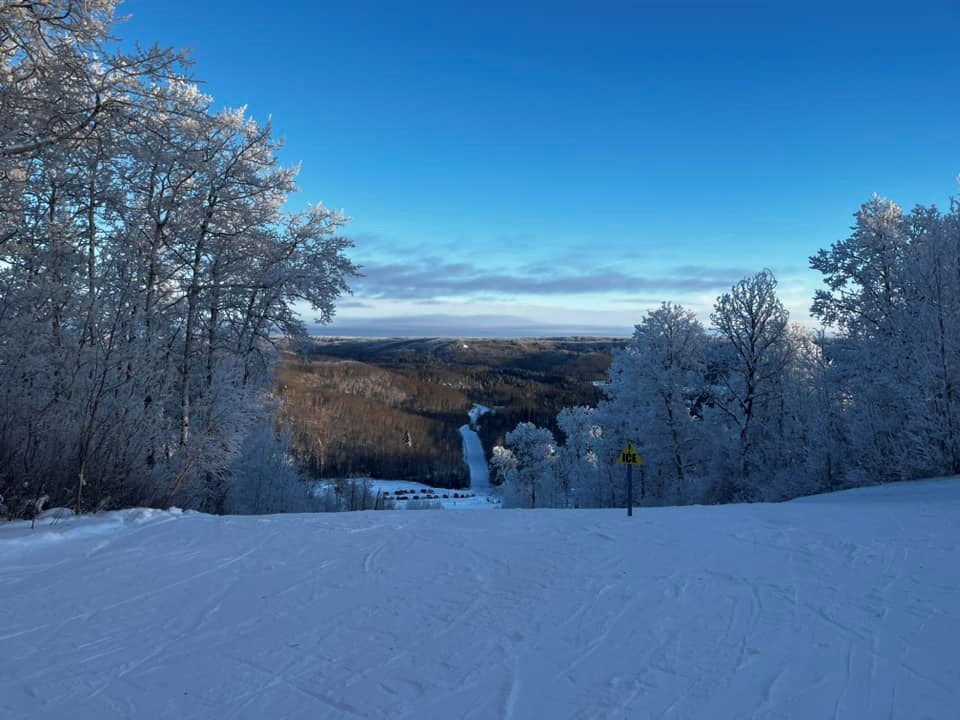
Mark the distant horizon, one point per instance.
(485, 327)
(490, 326)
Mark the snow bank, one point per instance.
(836, 606)
(56, 526)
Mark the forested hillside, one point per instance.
(391, 408)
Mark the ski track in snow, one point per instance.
(843, 606)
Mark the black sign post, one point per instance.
(630, 457)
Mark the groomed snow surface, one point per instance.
(473, 453)
(843, 606)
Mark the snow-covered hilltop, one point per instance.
(845, 605)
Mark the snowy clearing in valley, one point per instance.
(448, 499)
(834, 606)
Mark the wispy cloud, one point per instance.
(432, 278)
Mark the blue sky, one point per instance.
(531, 165)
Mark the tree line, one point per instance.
(756, 408)
(146, 266)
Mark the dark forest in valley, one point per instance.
(392, 408)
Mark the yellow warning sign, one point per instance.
(629, 456)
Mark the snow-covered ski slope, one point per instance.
(843, 606)
(473, 453)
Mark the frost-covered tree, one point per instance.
(750, 363)
(264, 477)
(653, 385)
(503, 466)
(146, 267)
(59, 79)
(533, 481)
(578, 466)
(934, 335)
(671, 344)
(863, 273)
(892, 293)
